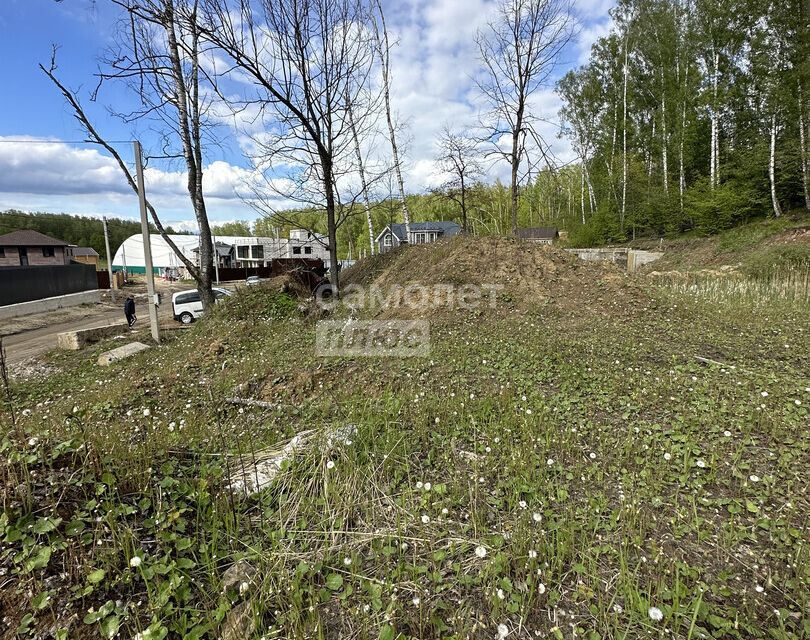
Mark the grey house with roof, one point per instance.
(420, 233)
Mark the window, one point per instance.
(297, 251)
(308, 250)
(47, 252)
(258, 252)
(2, 252)
(242, 252)
(187, 298)
(387, 240)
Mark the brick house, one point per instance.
(32, 248)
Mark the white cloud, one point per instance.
(51, 175)
(433, 64)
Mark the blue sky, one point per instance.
(432, 68)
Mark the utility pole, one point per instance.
(147, 247)
(109, 259)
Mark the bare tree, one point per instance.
(158, 56)
(308, 62)
(384, 52)
(362, 173)
(459, 160)
(520, 50)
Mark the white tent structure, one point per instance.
(249, 250)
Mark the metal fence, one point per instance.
(23, 284)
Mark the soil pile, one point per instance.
(523, 273)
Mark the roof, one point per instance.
(223, 250)
(447, 228)
(83, 251)
(532, 233)
(29, 238)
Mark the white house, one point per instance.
(248, 251)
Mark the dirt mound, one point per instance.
(522, 273)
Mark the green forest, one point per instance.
(691, 114)
(82, 231)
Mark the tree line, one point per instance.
(690, 114)
(316, 76)
(78, 230)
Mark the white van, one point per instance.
(187, 306)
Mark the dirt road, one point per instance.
(30, 344)
(33, 336)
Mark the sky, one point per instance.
(43, 168)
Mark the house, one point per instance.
(224, 255)
(31, 248)
(420, 233)
(232, 251)
(540, 235)
(85, 255)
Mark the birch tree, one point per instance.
(383, 47)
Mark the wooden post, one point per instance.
(109, 258)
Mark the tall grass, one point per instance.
(791, 284)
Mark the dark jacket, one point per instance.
(129, 307)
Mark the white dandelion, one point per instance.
(503, 631)
(330, 464)
(541, 588)
(667, 456)
(700, 464)
(481, 551)
(135, 562)
(753, 478)
(655, 614)
(425, 519)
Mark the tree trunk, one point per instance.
(188, 110)
(463, 204)
(681, 174)
(362, 171)
(513, 210)
(386, 77)
(803, 147)
(715, 156)
(664, 141)
(624, 141)
(331, 224)
(777, 210)
(582, 191)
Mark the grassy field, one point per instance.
(592, 457)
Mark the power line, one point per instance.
(16, 141)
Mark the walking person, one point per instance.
(129, 310)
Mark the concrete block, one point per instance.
(49, 304)
(107, 358)
(75, 340)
